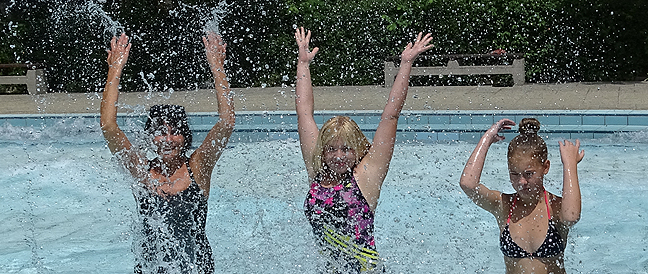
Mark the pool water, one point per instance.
(68, 207)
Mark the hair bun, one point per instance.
(529, 126)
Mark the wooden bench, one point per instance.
(34, 79)
(453, 67)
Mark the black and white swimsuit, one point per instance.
(552, 246)
(173, 238)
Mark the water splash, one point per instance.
(91, 9)
(217, 13)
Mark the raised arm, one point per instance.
(210, 150)
(372, 170)
(304, 101)
(571, 200)
(117, 141)
(490, 200)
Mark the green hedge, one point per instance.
(562, 40)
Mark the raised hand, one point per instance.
(569, 152)
(215, 50)
(303, 38)
(493, 132)
(413, 50)
(118, 53)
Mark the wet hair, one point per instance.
(529, 141)
(173, 115)
(340, 128)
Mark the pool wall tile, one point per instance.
(593, 120)
(427, 136)
(616, 120)
(603, 135)
(584, 135)
(545, 120)
(16, 122)
(508, 136)
(555, 135)
(448, 136)
(469, 136)
(439, 119)
(416, 119)
(403, 137)
(319, 119)
(482, 119)
(460, 119)
(424, 126)
(209, 120)
(570, 120)
(358, 119)
(500, 117)
(34, 122)
(638, 120)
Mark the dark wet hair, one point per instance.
(529, 140)
(172, 115)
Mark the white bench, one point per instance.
(34, 79)
(453, 68)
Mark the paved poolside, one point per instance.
(567, 96)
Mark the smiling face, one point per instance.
(340, 146)
(339, 157)
(168, 142)
(526, 172)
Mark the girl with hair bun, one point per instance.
(533, 222)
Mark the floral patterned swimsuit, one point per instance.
(343, 224)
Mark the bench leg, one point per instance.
(518, 72)
(390, 74)
(36, 83)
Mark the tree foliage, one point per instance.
(562, 40)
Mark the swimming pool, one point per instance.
(69, 208)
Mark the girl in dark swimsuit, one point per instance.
(533, 222)
(172, 188)
(345, 171)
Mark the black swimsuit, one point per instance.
(173, 238)
(552, 246)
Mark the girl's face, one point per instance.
(527, 173)
(169, 142)
(339, 157)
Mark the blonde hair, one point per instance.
(529, 141)
(340, 128)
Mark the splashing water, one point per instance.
(80, 11)
(217, 13)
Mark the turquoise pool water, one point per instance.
(69, 208)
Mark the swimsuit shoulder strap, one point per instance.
(189, 170)
(508, 220)
(547, 203)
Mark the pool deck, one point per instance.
(566, 96)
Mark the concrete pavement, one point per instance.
(567, 96)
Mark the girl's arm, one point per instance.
(304, 101)
(490, 200)
(372, 170)
(117, 141)
(216, 140)
(571, 200)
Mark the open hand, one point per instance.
(569, 152)
(303, 38)
(118, 53)
(215, 50)
(495, 129)
(420, 45)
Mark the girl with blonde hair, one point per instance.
(345, 170)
